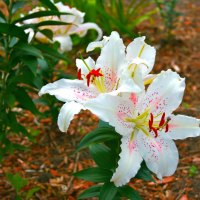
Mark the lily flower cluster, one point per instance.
(119, 90)
(62, 33)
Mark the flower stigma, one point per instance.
(147, 121)
(94, 76)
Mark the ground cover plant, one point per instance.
(126, 145)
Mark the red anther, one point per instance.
(94, 73)
(167, 128)
(162, 121)
(88, 79)
(150, 125)
(151, 115)
(151, 122)
(155, 131)
(79, 74)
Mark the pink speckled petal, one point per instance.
(181, 127)
(111, 60)
(129, 162)
(160, 155)
(164, 94)
(69, 90)
(113, 109)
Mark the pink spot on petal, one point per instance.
(131, 146)
(133, 98)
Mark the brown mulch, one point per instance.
(50, 162)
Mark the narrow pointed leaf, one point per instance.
(103, 156)
(29, 50)
(48, 51)
(130, 193)
(93, 191)
(12, 30)
(99, 135)
(144, 173)
(108, 191)
(40, 14)
(24, 100)
(49, 4)
(94, 174)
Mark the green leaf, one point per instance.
(94, 174)
(24, 100)
(99, 135)
(31, 63)
(18, 197)
(52, 53)
(12, 30)
(7, 2)
(31, 192)
(49, 4)
(27, 49)
(103, 124)
(2, 17)
(13, 41)
(103, 156)
(130, 193)
(108, 191)
(17, 5)
(144, 173)
(45, 23)
(16, 181)
(47, 32)
(10, 99)
(142, 18)
(40, 14)
(93, 191)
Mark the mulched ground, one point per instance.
(50, 161)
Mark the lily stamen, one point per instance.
(93, 73)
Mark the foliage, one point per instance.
(104, 146)
(168, 14)
(119, 15)
(24, 68)
(193, 170)
(18, 183)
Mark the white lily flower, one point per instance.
(104, 76)
(147, 126)
(62, 33)
(140, 58)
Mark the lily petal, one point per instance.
(164, 94)
(65, 42)
(181, 127)
(30, 33)
(97, 44)
(126, 85)
(82, 29)
(69, 90)
(75, 16)
(129, 162)
(112, 60)
(113, 109)
(160, 155)
(139, 49)
(81, 65)
(67, 112)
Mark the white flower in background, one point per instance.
(104, 76)
(62, 32)
(140, 58)
(147, 126)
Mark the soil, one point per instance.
(50, 162)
